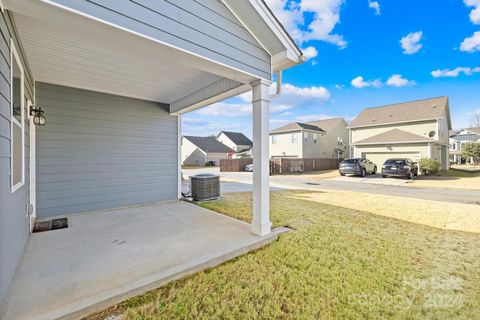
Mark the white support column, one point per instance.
(261, 224)
(179, 156)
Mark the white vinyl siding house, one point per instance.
(114, 78)
(457, 141)
(236, 141)
(316, 139)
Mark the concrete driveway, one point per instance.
(373, 179)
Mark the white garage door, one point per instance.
(379, 157)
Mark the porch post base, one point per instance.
(261, 229)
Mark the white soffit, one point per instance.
(68, 49)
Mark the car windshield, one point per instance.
(395, 161)
(350, 161)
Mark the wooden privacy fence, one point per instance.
(235, 165)
(284, 165)
(299, 165)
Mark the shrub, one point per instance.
(428, 166)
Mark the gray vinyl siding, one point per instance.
(102, 151)
(204, 27)
(14, 223)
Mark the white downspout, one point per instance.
(278, 91)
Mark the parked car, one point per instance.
(249, 167)
(357, 166)
(401, 167)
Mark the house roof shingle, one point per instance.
(208, 144)
(474, 130)
(394, 136)
(297, 126)
(238, 138)
(403, 112)
(326, 124)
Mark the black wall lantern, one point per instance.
(38, 117)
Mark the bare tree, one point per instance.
(475, 121)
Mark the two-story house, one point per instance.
(414, 129)
(458, 139)
(316, 139)
(237, 141)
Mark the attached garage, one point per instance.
(379, 157)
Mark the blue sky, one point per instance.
(364, 54)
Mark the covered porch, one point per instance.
(114, 79)
(105, 257)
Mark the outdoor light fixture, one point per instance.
(38, 117)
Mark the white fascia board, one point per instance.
(281, 59)
(390, 123)
(397, 142)
(221, 90)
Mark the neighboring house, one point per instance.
(458, 139)
(197, 151)
(113, 78)
(235, 140)
(317, 139)
(412, 129)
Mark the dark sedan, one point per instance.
(401, 167)
(357, 166)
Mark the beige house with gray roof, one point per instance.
(414, 130)
(316, 139)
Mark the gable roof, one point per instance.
(238, 138)
(269, 32)
(417, 110)
(297, 126)
(326, 124)
(474, 130)
(394, 136)
(208, 144)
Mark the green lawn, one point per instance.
(337, 264)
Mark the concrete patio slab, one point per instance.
(107, 256)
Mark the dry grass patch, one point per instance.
(451, 179)
(444, 215)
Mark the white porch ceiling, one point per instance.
(68, 49)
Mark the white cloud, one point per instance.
(314, 117)
(326, 15)
(375, 6)
(475, 13)
(411, 42)
(396, 80)
(453, 73)
(310, 52)
(360, 82)
(292, 97)
(471, 44)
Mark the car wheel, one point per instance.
(410, 176)
(342, 174)
(364, 172)
(416, 173)
(384, 176)
(374, 170)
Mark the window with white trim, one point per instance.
(305, 137)
(17, 103)
(274, 139)
(315, 137)
(294, 137)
